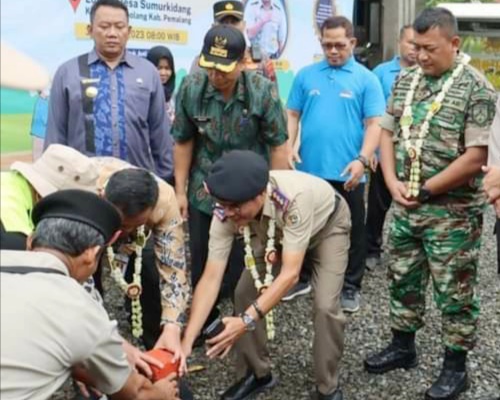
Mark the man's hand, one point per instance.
(491, 183)
(374, 162)
(86, 391)
(497, 207)
(169, 387)
(399, 194)
(266, 16)
(224, 341)
(170, 339)
(139, 360)
(182, 202)
(187, 349)
(293, 158)
(356, 170)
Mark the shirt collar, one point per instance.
(126, 58)
(33, 259)
(396, 64)
(348, 66)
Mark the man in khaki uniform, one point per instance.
(69, 334)
(308, 216)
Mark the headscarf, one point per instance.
(154, 56)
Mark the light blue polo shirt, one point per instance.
(387, 73)
(333, 103)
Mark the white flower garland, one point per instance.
(250, 264)
(132, 290)
(414, 148)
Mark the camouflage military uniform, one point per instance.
(252, 120)
(441, 238)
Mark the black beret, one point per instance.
(81, 206)
(238, 176)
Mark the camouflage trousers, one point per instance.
(435, 242)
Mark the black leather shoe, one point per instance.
(248, 387)
(336, 395)
(453, 377)
(392, 357)
(448, 385)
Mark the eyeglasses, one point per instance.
(340, 46)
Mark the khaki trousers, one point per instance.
(329, 261)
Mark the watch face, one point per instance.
(249, 322)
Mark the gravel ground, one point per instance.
(366, 331)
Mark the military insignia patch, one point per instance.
(480, 114)
(293, 218)
(279, 198)
(219, 213)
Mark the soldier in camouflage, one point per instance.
(432, 175)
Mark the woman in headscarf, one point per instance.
(163, 59)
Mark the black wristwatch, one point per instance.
(248, 321)
(364, 160)
(424, 195)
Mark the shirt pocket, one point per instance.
(138, 99)
(444, 137)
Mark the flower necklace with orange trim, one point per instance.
(132, 290)
(270, 258)
(414, 148)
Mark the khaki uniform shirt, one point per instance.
(301, 208)
(49, 324)
(464, 121)
(166, 225)
(494, 145)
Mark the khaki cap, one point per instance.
(59, 167)
(18, 71)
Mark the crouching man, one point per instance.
(282, 215)
(51, 328)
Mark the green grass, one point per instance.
(15, 133)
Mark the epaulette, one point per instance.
(219, 213)
(280, 199)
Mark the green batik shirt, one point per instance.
(464, 120)
(253, 119)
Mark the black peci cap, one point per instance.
(228, 8)
(81, 206)
(223, 47)
(238, 176)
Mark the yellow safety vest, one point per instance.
(16, 203)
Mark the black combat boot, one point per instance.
(453, 377)
(401, 353)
